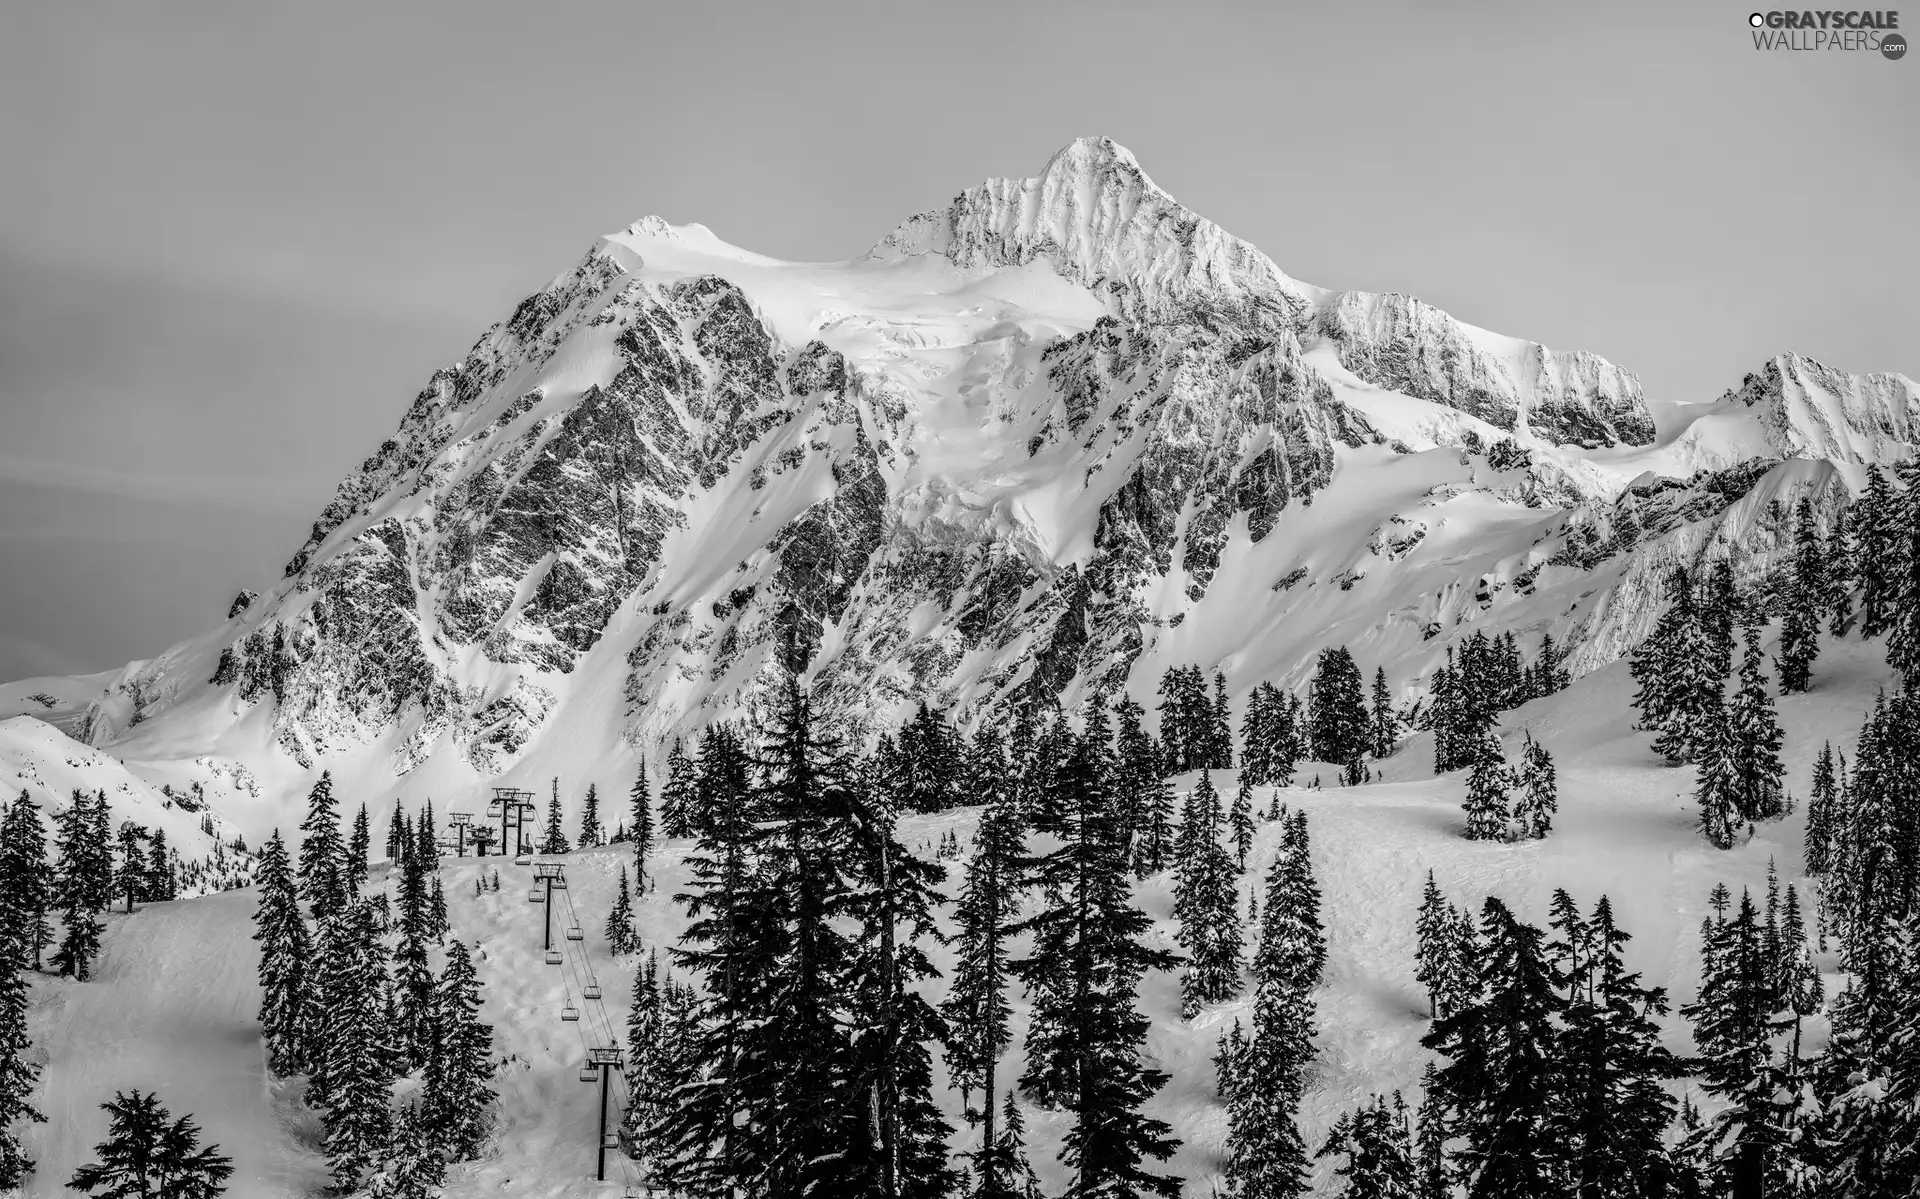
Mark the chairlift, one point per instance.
(590, 991)
(575, 934)
(553, 957)
(589, 1074)
(570, 1014)
(610, 1140)
(536, 895)
(523, 860)
(560, 883)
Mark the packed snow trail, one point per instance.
(171, 1009)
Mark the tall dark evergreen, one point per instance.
(399, 840)
(359, 845)
(1376, 1140)
(322, 862)
(1265, 1077)
(1270, 737)
(1489, 788)
(130, 876)
(77, 889)
(149, 1152)
(1141, 795)
(1240, 823)
(977, 1007)
(1681, 668)
(459, 1068)
(1903, 577)
(1087, 958)
(553, 839)
(621, 937)
(1500, 1075)
(1755, 729)
(1822, 799)
(641, 832)
(19, 1072)
(1384, 728)
(591, 834)
(27, 881)
(1610, 1113)
(161, 885)
(286, 1014)
(679, 796)
(1803, 600)
(1220, 726)
(1205, 905)
(355, 1049)
(1873, 524)
(1187, 722)
(1733, 1027)
(1537, 796)
(1338, 727)
(413, 981)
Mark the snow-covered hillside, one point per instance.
(1049, 439)
(172, 1006)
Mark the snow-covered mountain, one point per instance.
(1052, 438)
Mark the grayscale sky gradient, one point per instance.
(236, 238)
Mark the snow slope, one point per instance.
(173, 1006)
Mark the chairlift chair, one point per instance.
(553, 957)
(610, 1140)
(536, 895)
(523, 860)
(560, 883)
(589, 1074)
(570, 1014)
(574, 933)
(590, 991)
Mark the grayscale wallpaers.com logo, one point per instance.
(1805, 30)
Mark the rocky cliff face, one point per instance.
(1044, 442)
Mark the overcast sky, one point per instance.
(235, 239)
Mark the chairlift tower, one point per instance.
(601, 1063)
(512, 805)
(553, 875)
(460, 821)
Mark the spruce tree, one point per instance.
(590, 834)
(1488, 786)
(1433, 943)
(642, 831)
(356, 1116)
(1240, 823)
(26, 881)
(1220, 727)
(322, 862)
(399, 841)
(679, 797)
(1717, 790)
(1610, 1112)
(19, 1074)
(426, 846)
(285, 950)
(1733, 1026)
(1538, 799)
(554, 839)
(147, 1152)
(977, 1008)
(359, 845)
(1337, 721)
(1265, 1077)
(100, 872)
(1501, 1065)
(132, 874)
(1804, 596)
(76, 888)
(1873, 522)
(894, 900)
(1206, 907)
(1903, 578)
(1012, 1174)
(160, 886)
(1088, 955)
(1755, 730)
(1378, 1145)
(1385, 727)
(620, 934)
(413, 983)
(459, 1072)
(1820, 812)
